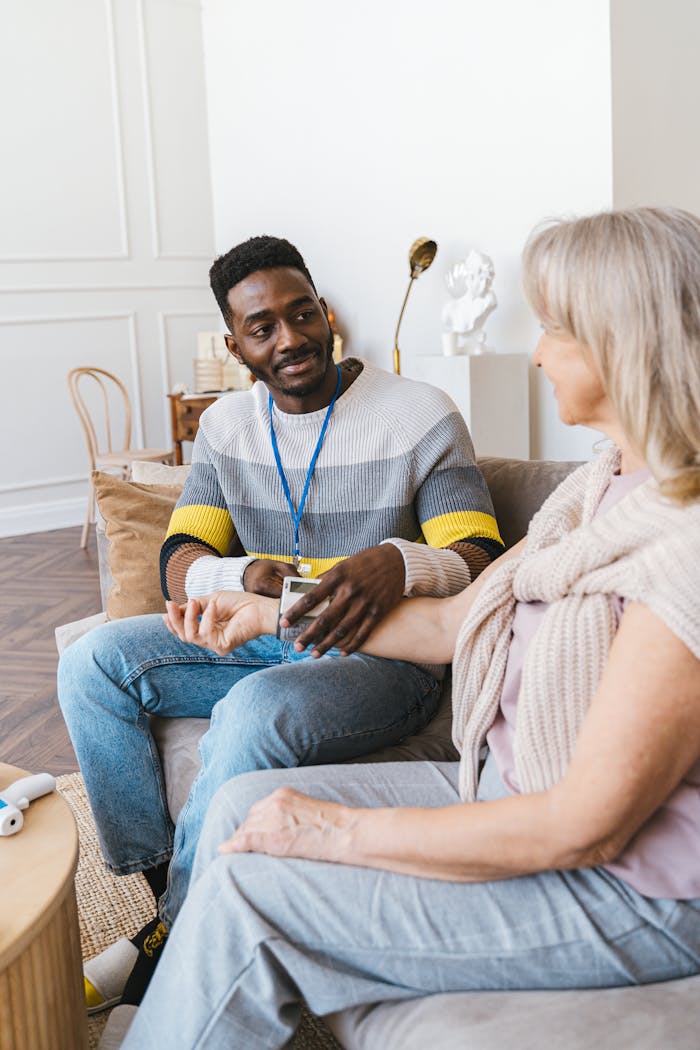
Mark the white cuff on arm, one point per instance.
(209, 574)
(431, 572)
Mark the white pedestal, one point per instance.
(492, 393)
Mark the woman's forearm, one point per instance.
(467, 842)
(424, 630)
(639, 739)
(420, 630)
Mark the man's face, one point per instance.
(280, 331)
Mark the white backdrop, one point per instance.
(354, 129)
(106, 229)
(351, 129)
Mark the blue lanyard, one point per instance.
(296, 515)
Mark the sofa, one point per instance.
(651, 1017)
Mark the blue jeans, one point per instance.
(258, 934)
(270, 706)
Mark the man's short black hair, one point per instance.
(257, 253)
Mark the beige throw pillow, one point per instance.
(136, 519)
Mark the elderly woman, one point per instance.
(576, 660)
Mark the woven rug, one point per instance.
(110, 908)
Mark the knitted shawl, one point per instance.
(645, 548)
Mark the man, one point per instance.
(345, 471)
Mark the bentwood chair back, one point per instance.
(102, 403)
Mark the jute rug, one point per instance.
(110, 907)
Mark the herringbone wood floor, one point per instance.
(47, 580)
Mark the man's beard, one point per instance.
(304, 389)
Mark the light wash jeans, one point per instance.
(259, 934)
(270, 706)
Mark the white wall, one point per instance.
(351, 130)
(354, 130)
(107, 231)
(655, 96)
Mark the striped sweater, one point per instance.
(397, 465)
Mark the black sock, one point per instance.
(149, 941)
(145, 931)
(157, 879)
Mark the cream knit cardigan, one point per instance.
(645, 548)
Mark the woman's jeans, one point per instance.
(258, 934)
(270, 706)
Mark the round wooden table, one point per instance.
(42, 1004)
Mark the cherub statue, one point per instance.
(469, 284)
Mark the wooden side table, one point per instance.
(185, 410)
(42, 1002)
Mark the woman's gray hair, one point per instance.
(626, 284)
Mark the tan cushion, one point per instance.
(136, 518)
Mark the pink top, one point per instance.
(663, 859)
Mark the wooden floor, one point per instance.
(46, 580)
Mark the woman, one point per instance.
(575, 658)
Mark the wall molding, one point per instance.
(136, 378)
(117, 117)
(67, 318)
(158, 252)
(164, 350)
(63, 288)
(43, 483)
(130, 318)
(123, 252)
(42, 517)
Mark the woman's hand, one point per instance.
(222, 621)
(289, 824)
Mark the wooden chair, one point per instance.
(106, 453)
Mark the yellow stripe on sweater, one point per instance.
(318, 565)
(213, 525)
(460, 525)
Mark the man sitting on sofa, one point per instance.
(343, 471)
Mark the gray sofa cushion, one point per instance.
(178, 740)
(178, 745)
(519, 488)
(647, 1017)
(67, 633)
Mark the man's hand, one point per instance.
(265, 577)
(222, 621)
(361, 590)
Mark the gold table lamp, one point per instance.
(420, 256)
